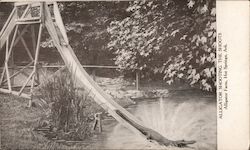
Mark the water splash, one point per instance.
(174, 118)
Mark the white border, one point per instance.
(233, 23)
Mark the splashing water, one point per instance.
(176, 118)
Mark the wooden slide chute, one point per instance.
(53, 23)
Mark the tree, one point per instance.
(86, 24)
(175, 39)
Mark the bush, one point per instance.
(69, 108)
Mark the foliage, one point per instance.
(68, 108)
(86, 24)
(6, 7)
(175, 39)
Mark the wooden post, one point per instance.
(93, 74)
(7, 56)
(35, 62)
(98, 118)
(137, 80)
(6, 63)
(12, 70)
(33, 35)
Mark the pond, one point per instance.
(180, 116)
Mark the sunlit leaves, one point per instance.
(177, 40)
(191, 3)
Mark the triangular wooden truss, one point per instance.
(23, 18)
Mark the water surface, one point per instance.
(188, 117)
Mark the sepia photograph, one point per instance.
(108, 74)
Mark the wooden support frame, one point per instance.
(18, 36)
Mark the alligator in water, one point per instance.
(153, 135)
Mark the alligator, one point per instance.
(154, 135)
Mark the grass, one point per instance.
(68, 112)
(18, 122)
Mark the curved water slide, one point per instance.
(56, 31)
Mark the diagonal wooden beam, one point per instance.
(26, 11)
(21, 34)
(2, 75)
(7, 22)
(7, 30)
(26, 47)
(27, 81)
(19, 71)
(27, 75)
(12, 44)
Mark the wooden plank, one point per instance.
(33, 4)
(59, 22)
(15, 93)
(29, 19)
(28, 22)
